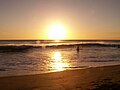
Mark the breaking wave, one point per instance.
(23, 47)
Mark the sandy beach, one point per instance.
(99, 78)
(59, 44)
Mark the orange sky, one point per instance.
(82, 19)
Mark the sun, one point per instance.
(56, 32)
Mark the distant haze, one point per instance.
(83, 19)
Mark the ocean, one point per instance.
(26, 57)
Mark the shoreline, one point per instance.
(43, 73)
(51, 72)
(78, 79)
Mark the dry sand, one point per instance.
(100, 78)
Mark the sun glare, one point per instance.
(56, 32)
(58, 64)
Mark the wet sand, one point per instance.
(100, 78)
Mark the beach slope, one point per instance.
(99, 78)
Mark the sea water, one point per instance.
(25, 57)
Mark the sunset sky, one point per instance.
(81, 19)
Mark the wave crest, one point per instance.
(20, 48)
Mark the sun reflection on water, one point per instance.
(58, 63)
(57, 56)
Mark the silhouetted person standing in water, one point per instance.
(78, 49)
